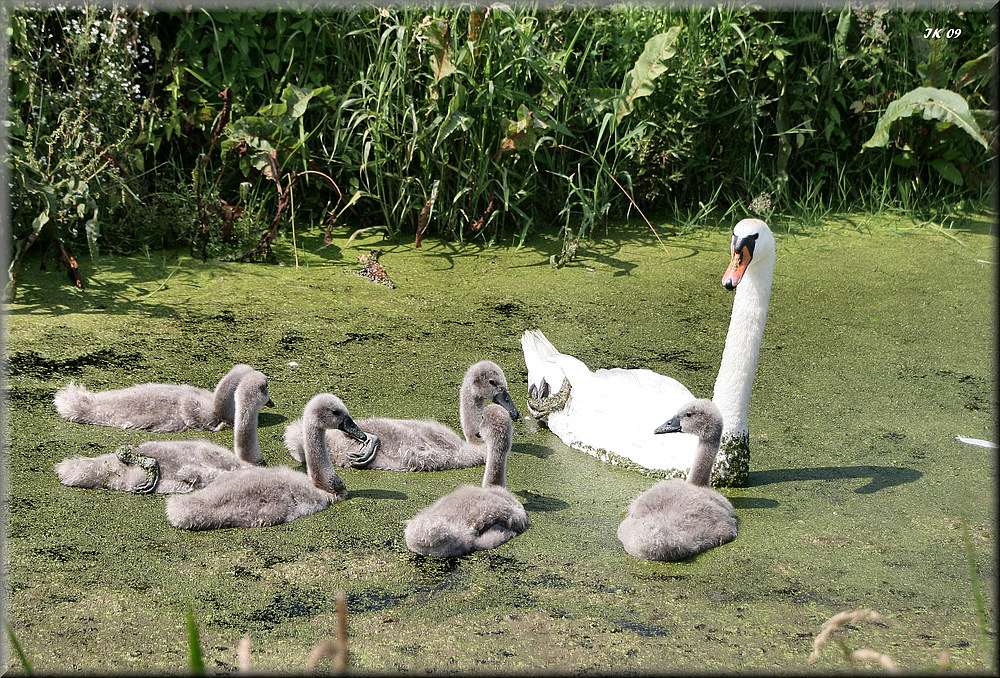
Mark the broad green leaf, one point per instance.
(39, 222)
(948, 171)
(298, 99)
(439, 34)
(931, 104)
(652, 62)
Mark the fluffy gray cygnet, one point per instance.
(422, 444)
(259, 497)
(158, 408)
(168, 466)
(473, 518)
(675, 519)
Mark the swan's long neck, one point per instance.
(708, 448)
(470, 413)
(224, 398)
(246, 443)
(739, 358)
(496, 462)
(318, 463)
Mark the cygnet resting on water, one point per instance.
(258, 497)
(675, 519)
(422, 444)
(168, 466)
(158, 408)
(473, 518)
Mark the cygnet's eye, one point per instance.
(493, 382)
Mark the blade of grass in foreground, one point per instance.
(20, 653)
(977, 593)
(194, 644)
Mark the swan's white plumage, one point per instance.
(604, 413)
(978, 442)
(611, 413)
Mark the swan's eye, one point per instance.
(493, 382)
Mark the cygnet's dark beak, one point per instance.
(673, 425)
(348, 426)
(269, 403)
(503, 399)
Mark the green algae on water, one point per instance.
(855, 496)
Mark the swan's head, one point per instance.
(497, 430)
(699, 417)
(485, 382)
(328, 411)
(252, 391)
(753, 243)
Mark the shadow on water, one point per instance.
(539, 502)
(289, 604)
(642, 628)
(539, 451)
(433, 568)
(31, 363)
(753, 503)
(372, 600)
(268, 419)
(880, 477)
(379, 494)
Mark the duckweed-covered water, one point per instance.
(878, 352)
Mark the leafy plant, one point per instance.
(464, 121)
(938, 144)
(76, 108)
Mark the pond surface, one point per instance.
(878, 352)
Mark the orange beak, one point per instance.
(737, 267)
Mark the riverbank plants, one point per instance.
(132, 129)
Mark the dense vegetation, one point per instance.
(131, 129)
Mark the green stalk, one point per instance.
(194, 644)
(17, 648)
(977, 594)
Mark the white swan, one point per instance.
(159, 408)
(168, 466)
(421, 444)
(258, 497)
(674, 520)
(473, 518)
(610, 413)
